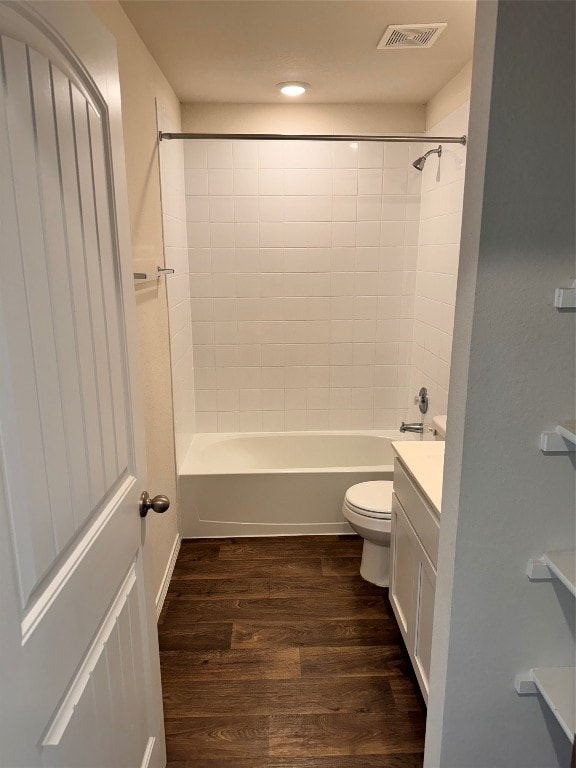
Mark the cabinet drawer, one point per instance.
(418, 511)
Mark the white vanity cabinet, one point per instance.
(414, 552)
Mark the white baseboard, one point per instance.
(161, 596)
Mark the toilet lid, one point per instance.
(373, 496)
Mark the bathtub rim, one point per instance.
(191, 466)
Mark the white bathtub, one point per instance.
(274, 484)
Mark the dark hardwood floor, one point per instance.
(276, 654)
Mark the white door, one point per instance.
(79, 671)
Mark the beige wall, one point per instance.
(303, 118)
(141, 83)
(455, 93)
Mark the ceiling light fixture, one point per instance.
(293, 88)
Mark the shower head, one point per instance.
(420, 163)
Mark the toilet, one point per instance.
(368, 509)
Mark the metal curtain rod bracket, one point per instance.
(313, 137)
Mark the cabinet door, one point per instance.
(426, 586)
(403, 573)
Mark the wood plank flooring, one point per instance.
(276, 654)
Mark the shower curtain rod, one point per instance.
(314, 137)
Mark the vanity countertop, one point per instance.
(424, 460)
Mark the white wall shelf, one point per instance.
(562, 440)
(555, 565)
(557, 686)
(565, 298)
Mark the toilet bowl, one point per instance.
(368, 509)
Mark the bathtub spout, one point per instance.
(415, 427)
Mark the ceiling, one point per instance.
(237, 50)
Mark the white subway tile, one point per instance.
(271, 235)
(368, 233)
(319, 208)
(197, 208)
(318, 376)
(291, 235)
(272, 376)
(203, 356)
(345, 155)
(221, 209)
(220, 182)
(228, 399)
(225, 308)
(219, 154)
(297, 182)
(270, 182)
(251, 421)
(249, 377)
(195, 155)
(196, 181)
(207, 422)
(273, 421)
(199, 260)
(245, 181)
(198, 235)
(271, 208)
(273, 399)
(203, 332)
(345, 182)
(318, 398)
(370, 181)
(294, 420)
(202, 309)
(246, 209)
(245, 154)
(318, 234)
(223, 285)
(295, 399)
(370, 154)
(226, 332)
(295, 377)
(247, 259)
(247, 235)
(222, 235)
(228, 421)
(395, 181)
(344, 208)
(205, 400)
(340, 419)
(227, 377)
(295, 208)
(396, 155)
(226, 355)
(343, 234)
(318, 182)
(317, 420)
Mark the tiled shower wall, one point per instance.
(302, 259)
(437, 267)
(178, 285)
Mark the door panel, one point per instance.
(424, 618)
(55, 155)
(404, 563)
(79, 669)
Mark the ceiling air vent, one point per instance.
(411, 35)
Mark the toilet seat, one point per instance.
(371, 499)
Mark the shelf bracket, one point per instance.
(525, 685)
(538, 570)
(556, 442)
